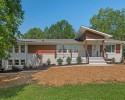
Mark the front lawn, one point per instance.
(111, 91)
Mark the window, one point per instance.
(64, 50)
(59, 51)
(22, 48)
(59, 48)
(16, 49)
(16, 62)
(69, 48)
(75, 48)
(110, 48)
(10, 62)
(22, 62)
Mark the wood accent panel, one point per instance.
(41, 48)
(118, 48)
(91, 35)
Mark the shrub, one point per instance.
(59, 61)
(44, 64)
(1, 68)
(122, 60)
(68, 60)
(48, 62)
(113, 60)
(79, 60)
(14, 68)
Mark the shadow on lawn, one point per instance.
(6, 93)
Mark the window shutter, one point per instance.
(117, 48)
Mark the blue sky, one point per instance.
(42, 13)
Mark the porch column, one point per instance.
(102, 48)
(86, 50)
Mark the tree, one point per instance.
(60, 30)
(11, 16)
(34, 33)
(110, 21)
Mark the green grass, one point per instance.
(112, 91)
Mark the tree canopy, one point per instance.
(34, 33)
(110, 21)
(60, 30)
(11, 16)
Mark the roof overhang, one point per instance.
(80, 34)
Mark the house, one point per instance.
(93, 46)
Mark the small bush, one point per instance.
(16, 69)
(68, 60)
(59, 61)
(48, 62)
(45, 64)
(79, 60)
(1, 69)
(122, 60)
(113, 60)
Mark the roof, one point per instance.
(83, 29)
(114, 41)
(49, 41)
(61, 41)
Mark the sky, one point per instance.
(42, 13)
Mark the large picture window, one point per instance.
(110, 48)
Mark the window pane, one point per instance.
(64, 50)
(108, 48)
(22, 62)
(75, 48)
(10, 62)
(113, 48)
(60, 50)
(16, 62)
(16, 49)
(22, 48)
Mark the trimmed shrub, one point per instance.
(113, 60)
(79, 60)
(48, 62)
(16, 69)
(1, 69)
(122, 60)
(59, 61)
(68, 60)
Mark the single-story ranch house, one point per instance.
(93, 46)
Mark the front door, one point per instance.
(90, 50)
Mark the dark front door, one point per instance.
(90, 50)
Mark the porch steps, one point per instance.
(96, 60)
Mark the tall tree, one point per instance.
(110, 21)
(34, 33)
(60, 30)
(11, 16)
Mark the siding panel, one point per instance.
(41, 48)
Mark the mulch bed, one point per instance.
(59, 76)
